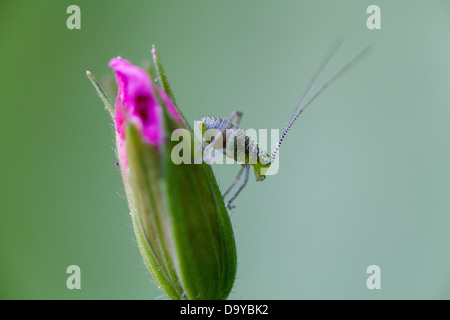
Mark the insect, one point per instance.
(247, 146)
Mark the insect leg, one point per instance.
(235, 118)
(214, 153)
(231, 122)
(247, 169)
(235, 181)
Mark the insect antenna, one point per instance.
(313, 80)
(301, 106)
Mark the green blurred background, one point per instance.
(364, 176)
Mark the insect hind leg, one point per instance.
(209, 158)
(235, 118)
(238, 177)
(247, 170)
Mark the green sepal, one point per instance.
(182, 226)
(202, 231)
(151, 225)
(102, 94)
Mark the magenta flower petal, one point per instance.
(136, 103)
(169, 105)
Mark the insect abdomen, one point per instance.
(241, 141)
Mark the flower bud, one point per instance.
(181, 224)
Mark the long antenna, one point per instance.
(301, 107)
(313, 80)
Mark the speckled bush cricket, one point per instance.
(264, 161)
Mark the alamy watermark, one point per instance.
(74, 280)
(374, 20)
(374, 280)
(74, 20)
(235, 145)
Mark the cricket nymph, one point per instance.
(235, 144)
(242, 148)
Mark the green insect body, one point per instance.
(244, 149)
